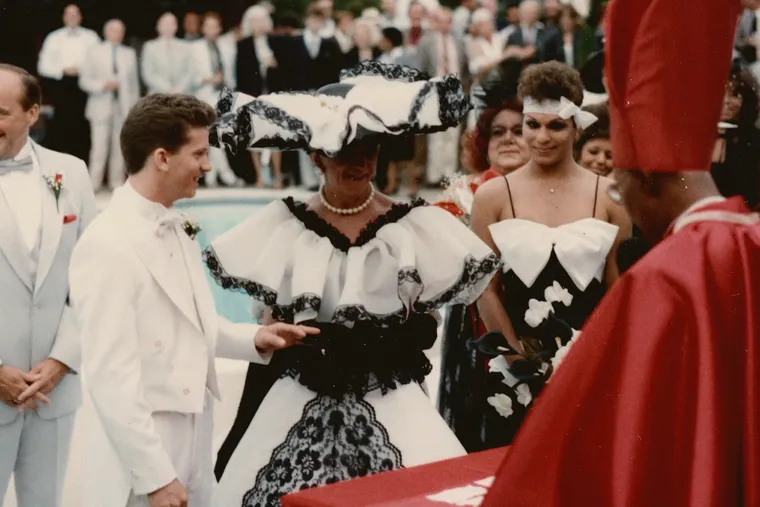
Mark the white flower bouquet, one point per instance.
(530, 368)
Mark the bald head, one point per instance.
(530, 11)
(113, 31)
(72, 16)
(442, 19)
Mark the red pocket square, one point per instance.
(67, 219)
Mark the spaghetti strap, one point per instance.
(596, 194)
(511, 202)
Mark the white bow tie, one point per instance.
(168, 221)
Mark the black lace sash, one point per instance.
(362, 358)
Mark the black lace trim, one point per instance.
(362, 358)
(388, 71)
(335, 440)
(464, 291)
(234, 129)
(319, 226)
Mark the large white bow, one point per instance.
(581, 248)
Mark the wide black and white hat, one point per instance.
(371, 99)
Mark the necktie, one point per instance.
(115, 67)
(168, 221)
(22, 165)
(446, 61)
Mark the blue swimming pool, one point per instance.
(215, 217)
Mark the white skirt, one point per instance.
(298, 439)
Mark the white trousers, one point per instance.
(443, 155)
(36, 452)
(308, 171)
(188, 440)
(220, 168)
(106, 149)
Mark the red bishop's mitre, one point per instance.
(667, 64)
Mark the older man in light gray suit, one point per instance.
(440, 53)
(165, 61)
(46, 201)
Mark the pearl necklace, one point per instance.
(346, 211)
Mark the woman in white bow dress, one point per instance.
(557, 232)
(367, 271)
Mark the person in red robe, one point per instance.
(658, 401)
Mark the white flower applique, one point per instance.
(555, 293)
(502, 403)
(560, 355)
(524, 396)
(537, 311)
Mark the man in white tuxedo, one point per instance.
(150, 331)
(46, 202)
(110, 77)
(213, 68)
(165, 61)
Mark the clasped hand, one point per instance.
(25, 390)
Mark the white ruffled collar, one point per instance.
(581, 248)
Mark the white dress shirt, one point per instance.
(23, 193)
(448, 58)
(263, 53)
(313, 43)
(64, 48)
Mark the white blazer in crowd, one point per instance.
(200, 54)
(166, 66)
(107, 109)
(63, 48)
(150, 333)
(37, 236)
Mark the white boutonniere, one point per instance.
(55, 183)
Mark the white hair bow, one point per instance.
(568, 109)
(564, 108)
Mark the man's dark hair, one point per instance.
(161, 121)
(314, 11)
(32, 92)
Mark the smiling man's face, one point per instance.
(15, 121)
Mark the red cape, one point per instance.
(658, 403)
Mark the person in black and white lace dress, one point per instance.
(369, 272)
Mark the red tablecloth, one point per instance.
(408, 487)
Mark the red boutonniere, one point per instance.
(55, 183)
(68, 219)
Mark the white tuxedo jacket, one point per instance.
(36, 321)
(97, 70)
(166, 66)
(142, 351)
(200, 56)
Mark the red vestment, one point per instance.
(658, 402)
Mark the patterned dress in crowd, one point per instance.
(545, 269)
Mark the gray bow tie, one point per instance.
(23, 165)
